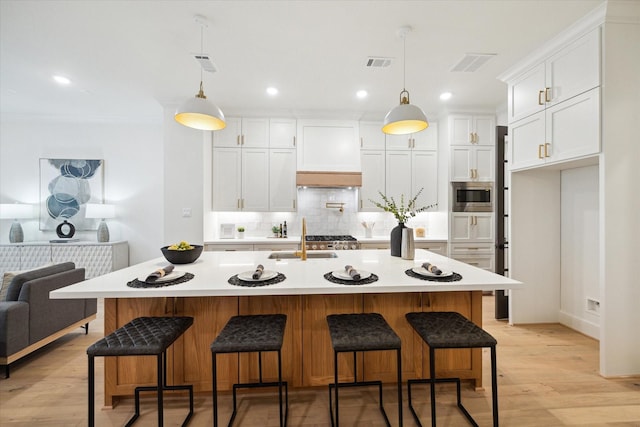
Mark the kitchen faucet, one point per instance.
(302, 253)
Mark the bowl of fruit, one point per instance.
(182, 253)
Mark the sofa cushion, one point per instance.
(15, 285)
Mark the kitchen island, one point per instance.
(306, 297)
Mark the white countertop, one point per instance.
(296, 240)
(213, 269)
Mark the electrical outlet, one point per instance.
(186, 212)
(593, 306)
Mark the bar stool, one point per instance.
(250, 334)
(451, 330)
(362, 332)
(143, 336)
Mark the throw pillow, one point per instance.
(6, 279)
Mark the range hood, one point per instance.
(328, 179)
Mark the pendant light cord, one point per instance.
(201, 48)
(404, 62)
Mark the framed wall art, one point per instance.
(66, 186)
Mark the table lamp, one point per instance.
(15, 211)
(102, 211)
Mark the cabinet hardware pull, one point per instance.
(294, 141)
(238, 140)
(409, 143)
(360, 203)
(294, 203)
(540, 93)
(242, 204)
(238, 203)
(471, 137)
(361, 142)
(242, 140)
(175, 306)
(547, 94)
(540, 152)
(546, 147)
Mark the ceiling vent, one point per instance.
(205, 62)
(472, 61)
(378, 62)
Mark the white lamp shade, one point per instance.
(15, 211)
(97, 210)
(404, 119)
(198, 113)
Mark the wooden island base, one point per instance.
(306, 352)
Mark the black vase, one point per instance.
(396, 240)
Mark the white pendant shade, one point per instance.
(198, 113)
(404, 119)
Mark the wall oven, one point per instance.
(472, 196)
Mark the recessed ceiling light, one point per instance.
(272, 91)
(361, 94)
(62, 80)
(445, 95)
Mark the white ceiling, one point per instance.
(128, 58)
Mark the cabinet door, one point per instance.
(282, 180)
(426, 139)
(460, 130)
(230, 135)
(484, 163)
(32, 256)
(460, 227)
(373, 179)
(255, 179)
(328, 145)
(484, 129)
(255, 132)
(526, 94)
(282, 133)
(398, 172)
(424, 175)
(371, 136)
(482, 227)
(399, 142)
(575, 69)
(210, 314)
(573, 127)
(527, 141)
(435, 247)
(227, 179)
(95, 259)
(461, 165)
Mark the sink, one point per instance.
(292, 255)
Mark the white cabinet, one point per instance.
(564, 131)
(398, 175)
(227, 179)
(469, 130)
(282, 133)
(282, 180)
(436, 247)
(328, 146)
(255, 180)
(571, 71)
(409, 171)
(371, 136)
(471, 227)
(471, 163)
(96, 258)
(479, 255)
(245, 132)
(424, 140)
(373, 178)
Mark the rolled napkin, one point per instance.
(258, 272)
(161, 272)
(352, 272)
(432, 268)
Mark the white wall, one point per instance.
(134, 169)
(579, 249)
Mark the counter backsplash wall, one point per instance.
(312, 205)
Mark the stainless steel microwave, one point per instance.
(472, 196)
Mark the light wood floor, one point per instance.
(548, 376)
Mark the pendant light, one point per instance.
(198, 112)
(404, 118)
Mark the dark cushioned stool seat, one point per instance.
(249, 334)
(362, 332)
(451, 330)
(143, 336)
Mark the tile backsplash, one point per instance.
(321, 208)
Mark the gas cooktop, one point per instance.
(330, 238)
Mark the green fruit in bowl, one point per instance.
(182, 246)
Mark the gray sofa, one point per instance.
(30, 320)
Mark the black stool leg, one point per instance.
(399, 363)
(432, 383)
(92, 420)
(160, 391)
(335, 376)
(282, 421)
(215, 389)
(494, 386)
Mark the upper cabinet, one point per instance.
(282, 133)
(424, 140)
(328, 146)
(371, 136)
(472, 130)
(573, 70)
(245, 132)
(554, 106)
(471, 147)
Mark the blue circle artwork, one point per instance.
(70, 189)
